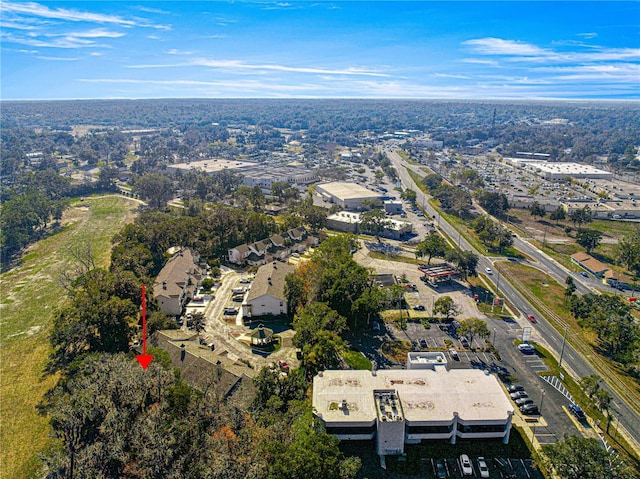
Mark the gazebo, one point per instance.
(261, 336)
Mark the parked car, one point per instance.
(531, 318)
(238, 298)
(419, 307)
(464, 341)
(245, 281)
(283, 365)
(526, 348)
(518, 395)
(441, 472)
(454, 354)
(376, 326)
(423, 343)
(522, 401)
(577, 411)
(515, 387)
(465, 464)
(230, 311)
(529, 409)
(482, 466)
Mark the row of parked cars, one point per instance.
(522, 400)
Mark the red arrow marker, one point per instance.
(144, 359)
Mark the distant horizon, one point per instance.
(362, 50)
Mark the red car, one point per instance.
(283, 365)
(531, 318)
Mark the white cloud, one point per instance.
(54, 42)
(240, 65)
(37, 10)
(587, 35)
(480, 61)
(175, 51)
(58, 59)
(32, 8)
(498, 46)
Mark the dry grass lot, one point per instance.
(29, 295)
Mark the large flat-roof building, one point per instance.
(253, 174)
(349, 222)
(348, 195)
(558, 170)
(406, 406)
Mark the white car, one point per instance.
(526, 348)
(482, 465)
(465, 464)
(489, 270)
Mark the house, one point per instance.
(297, 234)
(239, 254)
(278, 246)
(266, 297)
(177, 281)
(589, 263)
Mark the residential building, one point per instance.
(266, 297)
(177, 281)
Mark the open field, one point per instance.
(29, 297)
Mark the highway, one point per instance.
(572, 361)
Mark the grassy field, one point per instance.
(30, 294)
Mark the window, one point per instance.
(428, 429)
(481, 428)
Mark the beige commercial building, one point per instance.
(398, 407)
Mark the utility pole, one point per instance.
(564, 340)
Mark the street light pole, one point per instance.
(494, 336)
(564, 340)
(498, 283)
(541, 401)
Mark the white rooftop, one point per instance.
(426, 395)
(345, 190)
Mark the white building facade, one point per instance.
(397, 407)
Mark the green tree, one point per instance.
(537, 210)
(590, 385)
(447, 307)
(156, 189)
(432, 245)
(311, 452)
(465, 261)
(313, 318)
(494, 203)
(409, 195)
(570, 289)
(628, 251)
(472, 328)
(581, 216)
(432, 182)
(374, 222)
(558, 214)
(588, 239)
(580, 458)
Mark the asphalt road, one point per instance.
(629, 419)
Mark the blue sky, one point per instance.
(320, 49)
